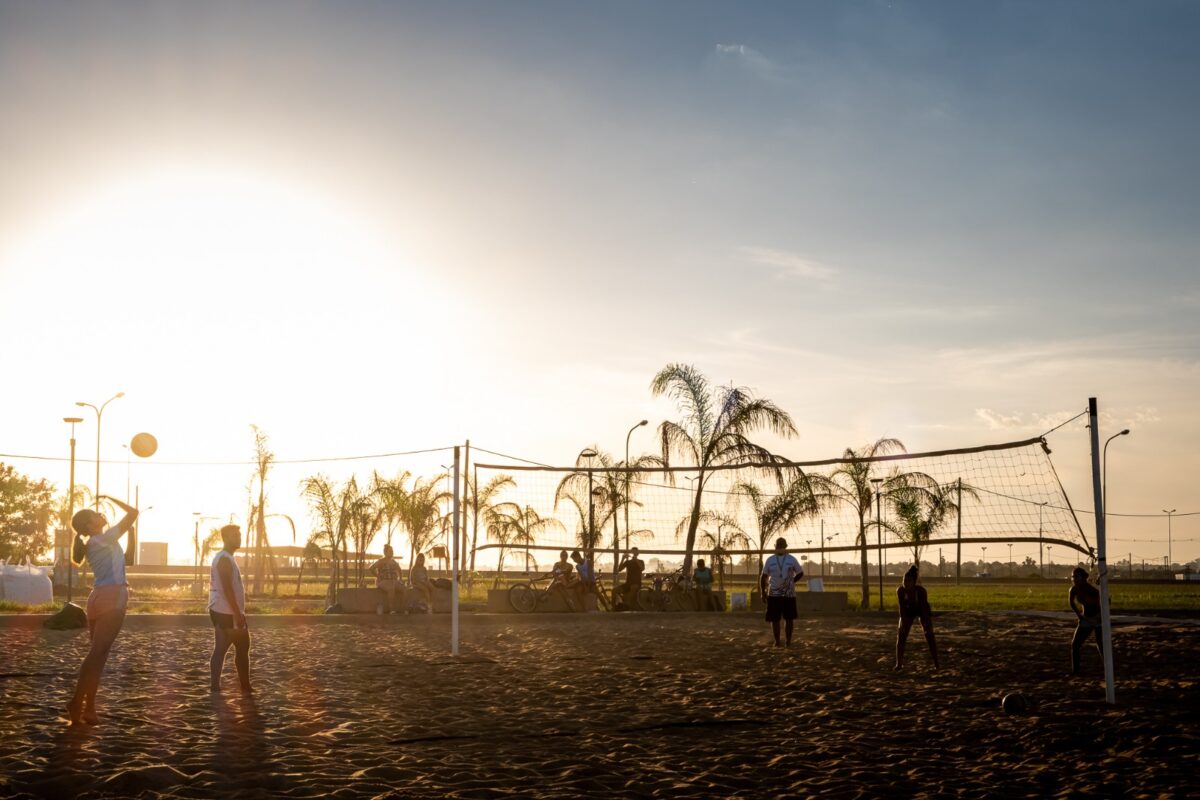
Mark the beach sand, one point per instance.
(603, 705)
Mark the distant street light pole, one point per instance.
(1170, 559)
(879, 534)
(986, 570)
(1050, 557)
(1010, 561)
(71, 503)
(627, 474)
(1104, 474)
(99, 414)
(1041, 551)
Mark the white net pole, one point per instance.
(454, 556)
(1101, 554)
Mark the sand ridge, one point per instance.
(603, 706)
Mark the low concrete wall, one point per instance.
(370, 600)
(811, 601)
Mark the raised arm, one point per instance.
(126, 522)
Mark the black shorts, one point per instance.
(220, 620)
(781, 608)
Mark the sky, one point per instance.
(381, 227)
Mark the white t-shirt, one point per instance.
(782, 571)
(217, 601)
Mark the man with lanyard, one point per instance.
(227, 610)
(778, 585)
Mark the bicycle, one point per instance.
(527, 596)
(672, 592)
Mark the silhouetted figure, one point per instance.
(105, 605)
(387, 577)
(227, 610)
(703, 576)
(778, 585)
(1084, 600)
(585, 578)
(633, 567)
(418, 578)
(913, 601)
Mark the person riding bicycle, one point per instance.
(633, 567)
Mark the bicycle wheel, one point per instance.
(681, 599)
(522, 597)
(645, 599)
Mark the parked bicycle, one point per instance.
(673, 592)
(527, 596)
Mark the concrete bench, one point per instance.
(369, 600)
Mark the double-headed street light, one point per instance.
(72, 421)
(99, 414)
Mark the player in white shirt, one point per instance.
(227, 610)
(778, 585)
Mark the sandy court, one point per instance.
(602, 706)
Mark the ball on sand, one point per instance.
(1014, 703)
(143, 445)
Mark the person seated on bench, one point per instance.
(585, 580)
(387, 577)
(633, 567)
(703, 577)
(418, 579)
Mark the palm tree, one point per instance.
(776, 514)
(312, 553)
(850, 484)
(332, 507)
(391, 493)
(920, 506)
(262, 465)
(511, 526)
(479, 502)
(421, 514)
(714, 431)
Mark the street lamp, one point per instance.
(1050, 557)
(72, 421)
(879, 534)
(1104, 474)
(1170, 560)
(99, 414)
(627, 475)
(986, 569)
(196, 541)
(1010, 561)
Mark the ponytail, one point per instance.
(79, 522)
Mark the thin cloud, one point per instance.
(789, 265)
(749, 59)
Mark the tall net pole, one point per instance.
(958, 557)
(454, 563)
(1101, 554)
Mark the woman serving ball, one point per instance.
(106, 604)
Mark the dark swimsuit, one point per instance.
(914, 606)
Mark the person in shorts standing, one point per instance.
(227, 610)
(633, 567)
(778, 585)
(1084, 599)
(913, 601)
(387, 577)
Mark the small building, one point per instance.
(152, 554)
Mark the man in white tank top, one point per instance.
(227, 610)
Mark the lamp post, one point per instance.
(99, 414)
(1010, 561)
(196, 540)
(1050, 557)
(627, 474)
(879, 534)
(986, 569)
(1104, 473)
(72, 421)
(1170, 560)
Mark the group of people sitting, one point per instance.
(388, 577)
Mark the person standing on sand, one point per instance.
(913, 601)
(387, 576)
(105, 605)
(1084, 600)
(227, 610)
(418, 578)
(633, 567)
(703, 577)
(778, 584)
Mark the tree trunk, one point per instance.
(300, 577)
(693, 525)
